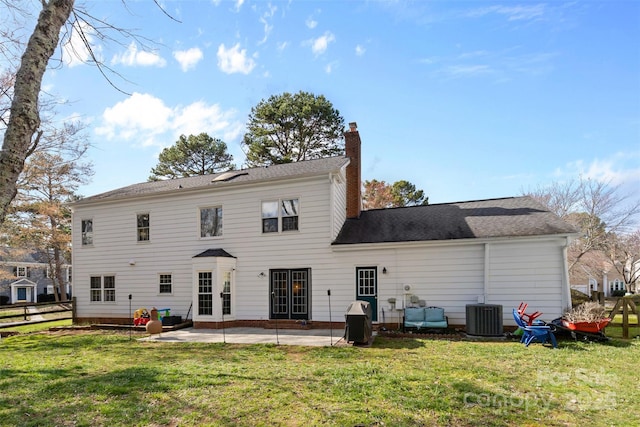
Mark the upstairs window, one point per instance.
(143, 227)
(269, 217)
(22, 271)
(211, 222)
(280, 215)
(87, 232)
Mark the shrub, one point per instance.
(618, 293)
(46, 297)
(4, 300)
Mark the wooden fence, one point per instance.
(41, 312)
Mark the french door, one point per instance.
(289, 294)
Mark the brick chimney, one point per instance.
(352, 150)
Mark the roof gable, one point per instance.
(509, 217)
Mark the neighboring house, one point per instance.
(289, 241)
(595, 272)
(26, 275)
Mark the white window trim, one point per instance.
(165, 294)
(103, 289)
(24, 268)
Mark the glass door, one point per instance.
(289, 297)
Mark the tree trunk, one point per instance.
(24, 119)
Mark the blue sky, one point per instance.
(467, 100)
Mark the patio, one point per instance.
(306, 337)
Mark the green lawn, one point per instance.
(99, 378)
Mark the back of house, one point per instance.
(289, 241)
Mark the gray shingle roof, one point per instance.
(220, 180)
(215, 253)
(508, 217)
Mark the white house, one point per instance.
(289, 241)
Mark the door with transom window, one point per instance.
(289, 293)
(367, 288)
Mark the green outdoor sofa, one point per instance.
(425, 318)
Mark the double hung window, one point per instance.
(87, 232)
(102, 288)
(143, 227)
(205, 293)
(165, 286)
(280, 215)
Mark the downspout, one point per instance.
(482, 299)
(566, 288)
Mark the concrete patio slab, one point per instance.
(307, 337)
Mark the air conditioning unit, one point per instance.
(484, 320)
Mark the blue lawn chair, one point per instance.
(534, 333)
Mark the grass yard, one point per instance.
(106, 379)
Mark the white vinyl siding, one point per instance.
(445, 274)
(176, 240)
(338, 202)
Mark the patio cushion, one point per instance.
(433, 314)
(414, 315)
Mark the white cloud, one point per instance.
(238, 5)
(264, 20)
(188, 58)
(330, 67)
(234, 60)
(320, 45)
(134, 57)
(619, 170)
(512, 13)
(467, 70)
(311, 23)
(360, 50)
(74, 50)
(282, 46)
(144, 120)
(140, 115)
(502, 65)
